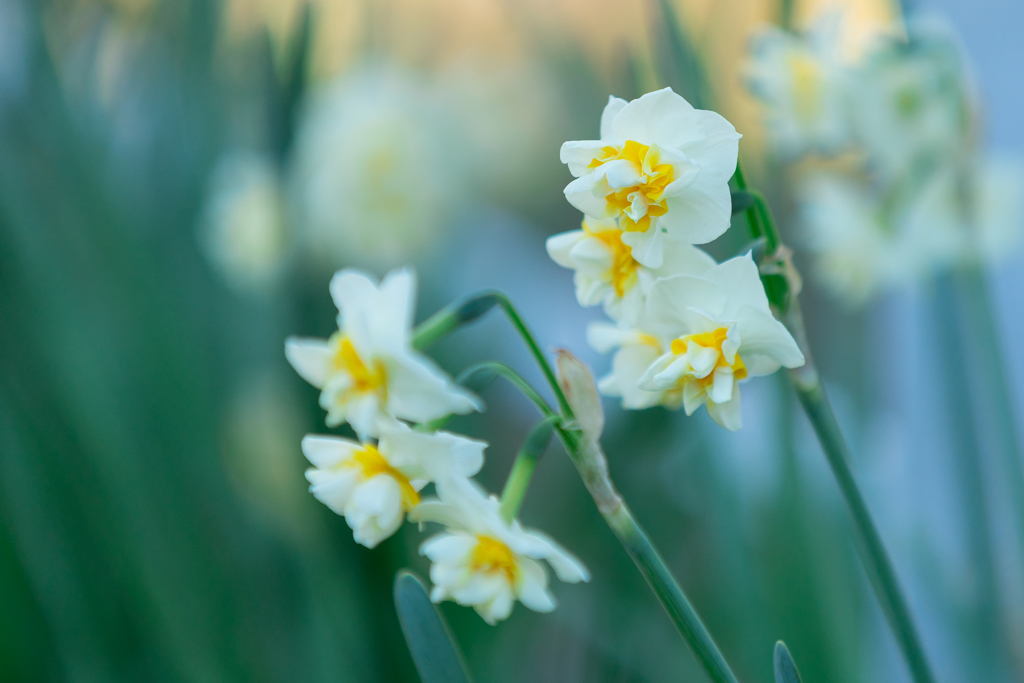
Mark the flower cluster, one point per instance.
(687, 330)
(370, 377)
(906, 191)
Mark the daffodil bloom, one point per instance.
(484, 562)
(661, 168)
(375, 485)
(606, 271)
(368, 370)
(803, 86)
(721, 332)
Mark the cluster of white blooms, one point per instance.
(686, 330)
(913, 194)
(371, 377)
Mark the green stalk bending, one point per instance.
(812, 397)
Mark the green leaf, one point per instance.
(785, 667)
(434, 650)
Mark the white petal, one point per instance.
(647, 247)
(611, 110)
(333, 489)
(578, 154)
(420, 391)
(603, 336)
(673, 303)
(448, 548)
(559, 246)
(311, 358)
(532, 587)
(766, 342)
(727, 414)
(326, 452)
(740, 280)
(722, 385)
(718, 151)
(540, 546)
(661, 117)
(702, 213)
(628, 367)
(587, 193)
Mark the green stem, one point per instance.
(482, 374)
(455, 316)
(522, 469)
(869, 543)
(672, 597)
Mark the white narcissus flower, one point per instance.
(862, 248)
(374, 486)
(913, 102)
(368, 370)
(722, 332)
(380, 170)
(606, 271)
(484, 562)
(661, 166)
(803, 86)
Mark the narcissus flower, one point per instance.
(484, 562)
(661, 168)
(368, 370)
(606, 271)
(803, 86)
(722, 332)
(375, 485)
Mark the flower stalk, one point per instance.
(807, 384)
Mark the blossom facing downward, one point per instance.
(368, 370)
(803, 86)
(374, 485)
(721, 332)
(606, 271)
(661, 166)
(484, 562)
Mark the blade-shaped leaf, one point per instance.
(434, 650)
(785, 667)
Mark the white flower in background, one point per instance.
(243, 231)
(803, 86)
(484, 562)
(606, 271)
(635, 352)
(378, 170)
(661, 167)
(368, 369)
(722, 332)
(863, 248)
(374, 486)
(912, 102)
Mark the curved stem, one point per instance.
(455, 316)
(482, 374)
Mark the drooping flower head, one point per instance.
(375, 485)
(607, 272)
(484, 562)
(368, 370)
(804, 88)
(661, 169)
(722, 332)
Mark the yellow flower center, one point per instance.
(365, 378)
(654, 178)
(807, 83)
(372, 463)
(623, 270)
(491, 555)
(710, 340)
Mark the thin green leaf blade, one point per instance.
(785, 667)
(434, 650)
